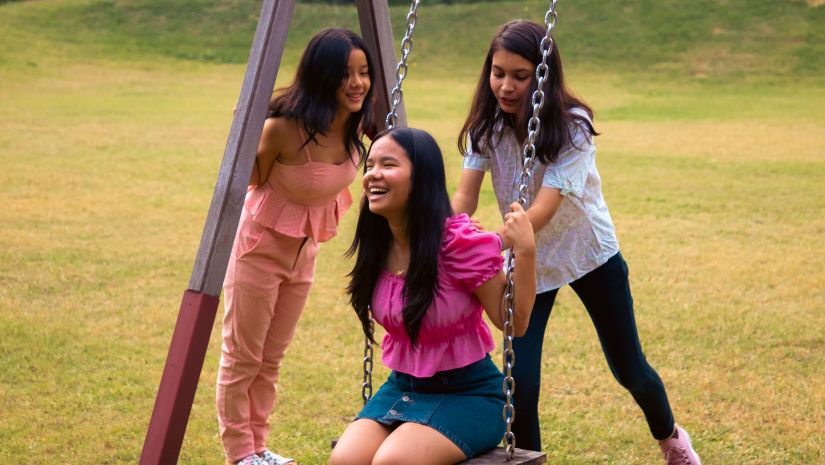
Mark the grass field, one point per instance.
(113, 120)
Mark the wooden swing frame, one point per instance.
(199, 304)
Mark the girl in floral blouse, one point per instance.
(575, 237)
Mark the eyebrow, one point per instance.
(519, 70)
(383, 158)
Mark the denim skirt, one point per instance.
(463, 404)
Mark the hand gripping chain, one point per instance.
(528, 157)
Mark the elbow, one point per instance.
(522, 319)
(520, 326)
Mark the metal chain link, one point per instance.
(391, 120)
(528, 156)
(366, 386)
(401, 69)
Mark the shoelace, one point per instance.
(251, 461)
(677, 456)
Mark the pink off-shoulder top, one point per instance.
(453, 333)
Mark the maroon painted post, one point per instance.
(199, 305)
(179, 381)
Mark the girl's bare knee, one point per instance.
(384, 456)
(342, 456)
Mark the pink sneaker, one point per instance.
(677, 449)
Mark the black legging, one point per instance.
(605, 293)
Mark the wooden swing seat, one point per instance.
(497, 457)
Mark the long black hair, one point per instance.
(310, 99)
(428, 207)
(524, 38)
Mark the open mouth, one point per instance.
(376, 193)
(507, 101)
(355, 97)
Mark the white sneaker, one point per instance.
(271, 458)
(252, 459)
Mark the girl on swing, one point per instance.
(575, 238)
(427, 275)
(308, 155)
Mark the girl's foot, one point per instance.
(678, 450)
(252, 459)
(270, 458)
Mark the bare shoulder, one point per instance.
(278, 134)
(277, 128)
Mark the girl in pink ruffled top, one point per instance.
(428, 276)
(307, 157)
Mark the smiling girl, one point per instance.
(308, 155)
(427, 276)
(575, 238)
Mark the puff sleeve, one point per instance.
(469, 257)
(474, 160)
(569, 172)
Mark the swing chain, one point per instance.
(366, 386)
(391, 121)
(401, 69)
(528, 157)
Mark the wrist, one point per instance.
(500, 239)
(525, 251)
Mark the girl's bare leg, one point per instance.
(414, 444)
(359, 443)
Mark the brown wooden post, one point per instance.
(376, 29)
(199, 305)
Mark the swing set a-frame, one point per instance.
(199, 304)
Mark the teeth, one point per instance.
(378, 190)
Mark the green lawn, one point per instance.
(113, 120)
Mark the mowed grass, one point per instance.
(113, 123)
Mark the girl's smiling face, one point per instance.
(510, 78)
(388, 179)
(355, 84)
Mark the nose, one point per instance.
(507, 84)
(372, 173)
(356, 81)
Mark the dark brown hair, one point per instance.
(557, 120)
(427, 208)
(310, 99)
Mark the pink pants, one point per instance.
(266, 287)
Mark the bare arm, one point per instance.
(268, 149)
(541, 211)
(518, 230)
(465, 199)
